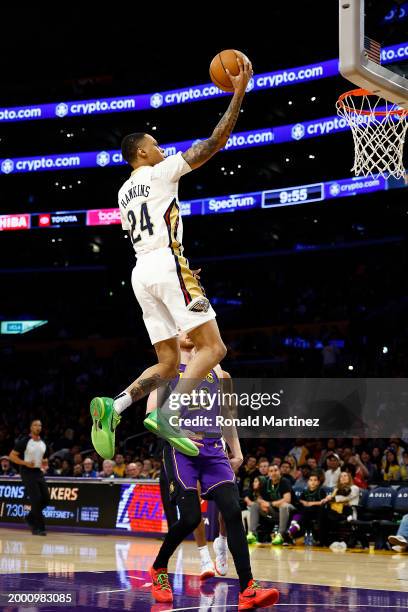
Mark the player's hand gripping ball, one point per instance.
(225, 60)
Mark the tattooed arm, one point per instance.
(201, 152)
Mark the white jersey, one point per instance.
(149, 207)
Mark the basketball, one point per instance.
(225, 59)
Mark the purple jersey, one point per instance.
(207, 409)
(211, 468)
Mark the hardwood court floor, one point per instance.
(115, 565)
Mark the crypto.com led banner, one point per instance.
(240, 140)
(270, 198)
(125, 104)
(292, 408)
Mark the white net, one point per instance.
(379, 128)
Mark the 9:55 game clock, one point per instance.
(293, 195)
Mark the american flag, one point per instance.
(373, 49)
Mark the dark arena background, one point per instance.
(304, 263)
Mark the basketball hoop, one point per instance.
(379, 128)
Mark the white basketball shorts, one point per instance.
(171, 299)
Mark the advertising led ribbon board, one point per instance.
(270, 198)
(195, 93)
(84, 503)
(240, 140)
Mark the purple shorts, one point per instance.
(210, 468)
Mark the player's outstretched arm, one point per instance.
(201, 152)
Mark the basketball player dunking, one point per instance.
(168, 293)
(214, 472)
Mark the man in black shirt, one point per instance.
(29, 452)
(275, 504)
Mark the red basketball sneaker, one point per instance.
(161, 589)
(256, 597)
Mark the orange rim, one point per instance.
(359, 93)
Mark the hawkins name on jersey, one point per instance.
(149, 209)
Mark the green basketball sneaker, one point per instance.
(162, 428)
(104, 422)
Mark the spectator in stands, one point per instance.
(147, 469)
(333, 470)
(390, 469)
(346, 454)
(275, 504)
(404, 466)
(369, 466)
(321, 474)
(345, 496)
(299, 451)
(396, 444)
(376, 459)
(66, 468)
(294, 471)
(276, 461)
(247, 472)
(55, 465)
(357, 445)
(253, 494)
(77, 459)
(77, 470)
(107, 469)
(120, 467)
(6, 469)
(156, 467)
(312, 503)
(88, 470)
(399, 542)
(285, 471)
(263, 467)
(133, 470)
(312, 463)
(303, 479)
(360, 475)
(128, 457)
(330, 448)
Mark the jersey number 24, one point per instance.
(145, 223)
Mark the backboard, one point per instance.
(373, 40)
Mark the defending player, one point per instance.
(170, 509)
(168, 293)
(214, 472)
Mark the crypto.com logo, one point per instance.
(103, 158)
(298, 131)
(250, 86)
(61, 109)
(7, 166)
(156, 100)
(334, 189)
